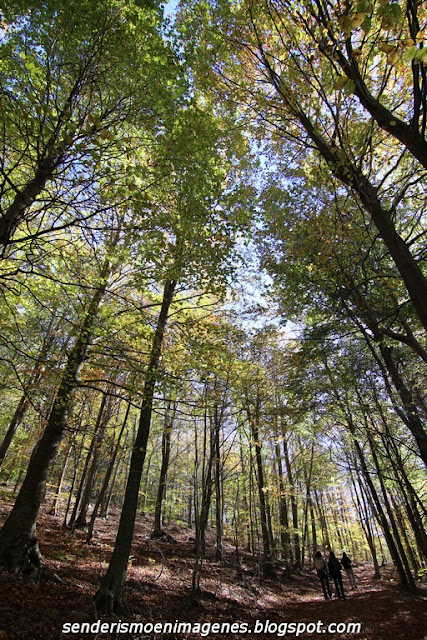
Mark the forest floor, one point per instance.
(159, 581)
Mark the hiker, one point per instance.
(322, 571)
(334, 566)
(346, 563)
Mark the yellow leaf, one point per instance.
(387, 48)
(387, 22)
(408, 42)
(340, 83)
(357, 20)
(392, 57)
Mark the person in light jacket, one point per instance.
(322, 571)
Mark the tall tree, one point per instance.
(75, 81)
(19, 551)
(297, 104)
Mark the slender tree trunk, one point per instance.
(254, 425)
(161, 490)
(294, 505)
(111, 594)
(88, 458)
(19, 551)
(381, 515)
(20, 411)
(322, 519)
(409, 496)
(245, 491)
(190, 504)
(206, 491)
(146, 482)
(104, 418)
(24, 402)
(218, 485)
(73, 482)
(107, 477)
(307, 479)
(313, 525)
(285, 539)
(411, 586)
(54, 509)
(364, 518)
(106, 502)
(400, 523)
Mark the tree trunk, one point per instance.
(24, 402)
(54, 509)
(254, 425)
(104, 417)
(294, 505)
(19, 551)
(344, 168)
(285, 539)
(73, 517)
(326, 542)
(313, 525)
(364, 519)
(161, 490)
(380, 514)
(246, 475)
(307, 480)
(107, 477)
(409, 581)
(110, 597)
(218, 483)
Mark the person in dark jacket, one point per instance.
(322, 571)
(334, 566)
(346, 563)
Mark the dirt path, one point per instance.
(158, 591)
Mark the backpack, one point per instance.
(321, 567)
(346, 563)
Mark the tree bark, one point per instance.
(294, 505)
(19, 551)
(161, 489)
(110, 596)
(54, 509)
(254, 425)
(343, 167)
(364, 520)
(107, 477)
(24, 402)
(85, 470)
(104, 417)
(285, 538)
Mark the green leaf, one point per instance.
(421, 55)
(410, 53)
(366, 25)
(349, 87)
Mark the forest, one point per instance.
(213, 315)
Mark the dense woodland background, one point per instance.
(213, 287)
